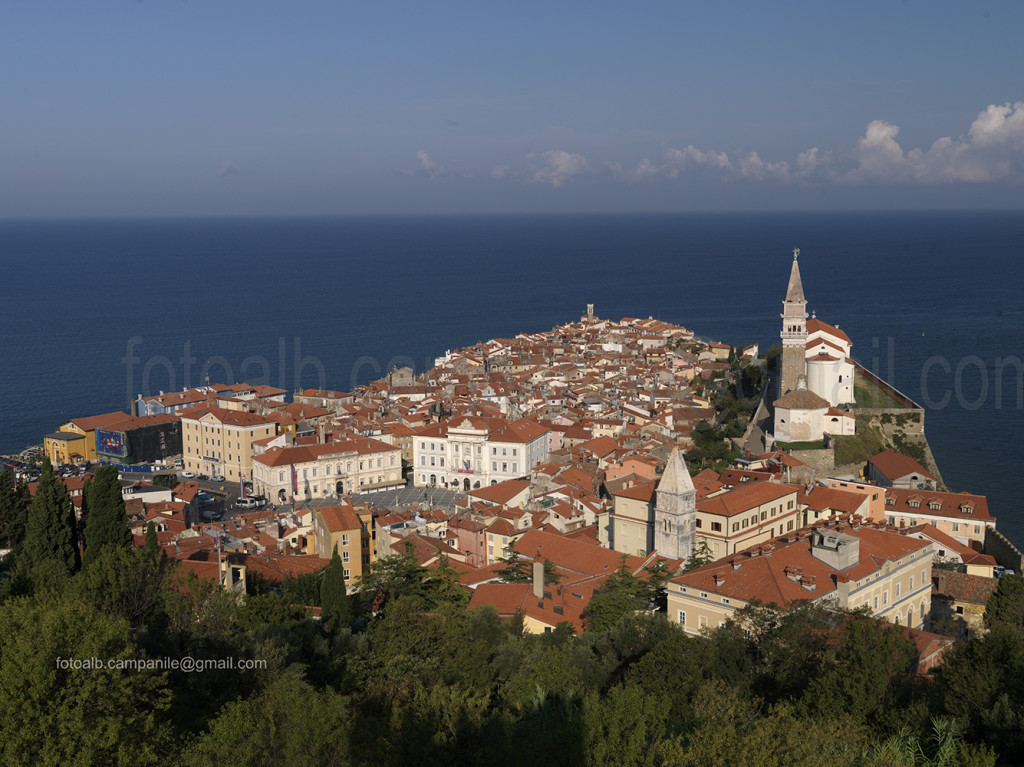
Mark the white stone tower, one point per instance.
(675, 510)
(794, 331)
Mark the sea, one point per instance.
(97, 311)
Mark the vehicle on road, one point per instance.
(246, 503)
(187, 474)
(217, 478)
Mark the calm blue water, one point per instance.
(257, 298)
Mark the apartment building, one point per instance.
(850, 566)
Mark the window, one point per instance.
(911, 582)
(344, 539)
(703, 621)
(898, 588)
(885, 598)
(682, 618)
(346, 574)
(716, 527)
(876, 601)
(703, 595)
(344, 556)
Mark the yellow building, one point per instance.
(349, 528)
(60, 449)
(65, 447)
(218, 441)
(849, 566)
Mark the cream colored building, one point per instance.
(303, 472)
(219, 441)
(631, 528)
(747, 515)
(851, 567)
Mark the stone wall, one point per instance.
(1005, 553)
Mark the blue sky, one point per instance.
(234, 108)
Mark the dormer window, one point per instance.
(934, 505)
(914, 504)
(890, 501)
(967, 508)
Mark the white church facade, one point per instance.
(816, 372)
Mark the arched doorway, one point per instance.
(282, 496)
(433, 480)
(465, 483)
(339, 489)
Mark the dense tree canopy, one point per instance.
(407, 675)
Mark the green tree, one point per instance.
(334, 610)
(302, 590)
(51, 531)
(621, 595)
(289, 723)
(58, 714)
(446, 582)
(14, 501)
(1006, 605)
(701, 555)
(395, 576)
(106, 523)
(152, 543)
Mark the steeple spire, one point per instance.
(675, 479)
(795, 291)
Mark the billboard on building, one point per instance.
(111, 443)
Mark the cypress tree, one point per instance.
(152, 544)
(106, 522)
(51, 531)
(333, 594)
(14, 502)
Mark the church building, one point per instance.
(816, 372)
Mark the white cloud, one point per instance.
(559, 166)
(991, 150)
(425, 167)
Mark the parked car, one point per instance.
(217, 478)
(246, 503)
(187, 474)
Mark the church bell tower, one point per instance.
(675, 510)
(794, 331)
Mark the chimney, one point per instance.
(719, 580)
(538, 579)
